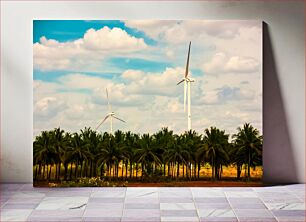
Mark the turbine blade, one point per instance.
(119, 119)
(102, 121)
(180, 81)
(108, 103)
(187, 64)
(185, 95)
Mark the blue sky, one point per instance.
(67, 30)
(140, 62)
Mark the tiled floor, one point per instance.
(22, 202)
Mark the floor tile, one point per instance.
(212, 205)
(142, 192)
(207, 192)
(182, 193)
(254, 213)
(105, 200)
(248, 206)
(10, 187)
(14, 214)
(140, 219)
(142, 213)
(285, 206)
(176, 199)
(254, 219)
(54, 219)
(216, 213)
(19, 206)
(110, 194)
(240, 194)
(178, 213)
(218, 219)
(101, 219)
(289, 213)
(177, 206)
(210, 200)
(102, 206)
(244, 200)
(141, 206)
(103, 213)
(141, 200)
(62, 203)
(57, 213)
(178, 219)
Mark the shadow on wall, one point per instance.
(278, 160)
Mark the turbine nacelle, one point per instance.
(110, 115)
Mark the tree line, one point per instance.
(60, 155)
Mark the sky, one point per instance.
(140, 63)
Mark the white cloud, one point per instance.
(221, 63)
(182, 31)
(115, 39)
(132, 75)
(152, 28)
(88, 51)
(48, 107)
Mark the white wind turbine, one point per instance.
(187, 84)
(110, 115)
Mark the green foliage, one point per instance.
(92, 182)
(62, 156)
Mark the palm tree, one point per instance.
(248, 144)
(215, 141)
(110, 154)
(164, 140)
(146, 154)
(60, 144)
(91, 142)
(43, 153)
(79, 152)
(177, 154)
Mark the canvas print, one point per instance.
(147, 103)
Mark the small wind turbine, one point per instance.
(187, 84)
(110, 115)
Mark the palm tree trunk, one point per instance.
(212, 169)
(76, 169)
(81, 172)
(136, 170)
(122, 169)
(56, 172)
(168, 169)
(39, 171)
(178, 170)
(126, 169)
(49, 174)
(199, 169)
(249, 166)
(36, 172)
(238, 171)
(66, 171)
(70, 176)
(142, 170)
(59, 171)
(44, 172)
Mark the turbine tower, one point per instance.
(110, 115)
(187, 85)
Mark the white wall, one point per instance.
(284, 76)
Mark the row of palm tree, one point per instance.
(164, 154)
